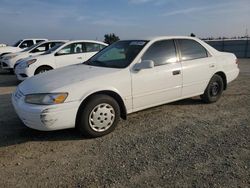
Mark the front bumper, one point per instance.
(45, 117)
(23, 73)
(5, 64)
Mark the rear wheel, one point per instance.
(99, 116)
(214, 90)
(42, 69)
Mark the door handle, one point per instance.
(79, 58)
(176, 72)
(211, 66)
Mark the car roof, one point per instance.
(54, 41)
(155, 38)
(92, 41)
(34, 39)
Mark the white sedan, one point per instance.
(72, 52)
(9, 61)
(126, 77)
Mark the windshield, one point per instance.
(53, 48)
(117, 55)
(17, 43)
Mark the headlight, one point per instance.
(10, 57)
(46, 99)
(28, 63)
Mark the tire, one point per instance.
(99, 116)
(42, 69)
(214, 90)
(11, 71)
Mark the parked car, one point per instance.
(126, 77)
(2, 45)
(8, 61)
(19, 46)
(72, 52)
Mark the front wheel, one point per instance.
(99, 116)
(42, 69)
(214, 90)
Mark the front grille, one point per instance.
(23, 75)
(18, 94)
(4, 64)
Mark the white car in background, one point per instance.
(2, 45)
(126, 77)
(72, 52)
(8, 61)
(19, 46)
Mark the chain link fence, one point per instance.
(240, 47)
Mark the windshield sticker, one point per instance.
(137, 43)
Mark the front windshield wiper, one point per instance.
(86, 62)
(94, 63)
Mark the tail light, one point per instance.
(237, 61)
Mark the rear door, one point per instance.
(197, 67)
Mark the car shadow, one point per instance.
(8, 79)
(13, 131)
(5, 72)
(189, 101)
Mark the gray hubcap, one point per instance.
(42, 71)
(102, 117)
(215, 89)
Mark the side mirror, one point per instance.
(59, 53)
(145, 64)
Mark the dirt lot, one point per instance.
(186, 143)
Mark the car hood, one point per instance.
(53, 80)
(9, 49)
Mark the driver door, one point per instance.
(160, 84)
(69, 55)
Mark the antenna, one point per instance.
(246, 35)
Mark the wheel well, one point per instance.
(43, 66)
(224, 78)
(4, 53)
(113, 95)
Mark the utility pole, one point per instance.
(246, 34)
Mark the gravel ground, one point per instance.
(182, 144)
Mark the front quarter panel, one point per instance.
(118, 82)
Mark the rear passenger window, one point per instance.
(161, 52)
(191, 49)
(92, 47)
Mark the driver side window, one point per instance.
(161, 52)
(71, 49)
(41, 48)
(26, 43)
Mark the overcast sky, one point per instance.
(91, 19)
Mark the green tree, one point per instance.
(110, 38)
